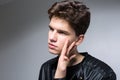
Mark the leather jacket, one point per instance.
(89, 69)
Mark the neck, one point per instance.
(78, 59)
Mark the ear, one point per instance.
(79, 40)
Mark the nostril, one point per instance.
(52, 40)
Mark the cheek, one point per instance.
(63, 40)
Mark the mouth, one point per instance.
(51, 46)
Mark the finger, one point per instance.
(71, 47)
(66, 58)
(71, 57)
(64, 50)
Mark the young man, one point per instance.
(69, 21)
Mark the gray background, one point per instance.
(23, 36)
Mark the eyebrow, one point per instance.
(50, 27)
(59, 30)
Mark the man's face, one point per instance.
(59, 32)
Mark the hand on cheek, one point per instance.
(64, 59)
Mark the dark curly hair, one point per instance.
(75, 12)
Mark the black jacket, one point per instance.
(89, 69)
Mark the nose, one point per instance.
(53, 36)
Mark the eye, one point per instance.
(63, 32)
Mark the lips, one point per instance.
(51, 46)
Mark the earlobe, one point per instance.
(79, 39)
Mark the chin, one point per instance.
(54, 52)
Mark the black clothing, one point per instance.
(89, 69)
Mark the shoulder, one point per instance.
(97, 67)
(47, 68)
(49, 63)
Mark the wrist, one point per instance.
(60, 73)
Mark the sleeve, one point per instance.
(60, 79)
(42, 75)
(111, 76)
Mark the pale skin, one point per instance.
(63, 42)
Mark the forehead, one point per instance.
(60, 23)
